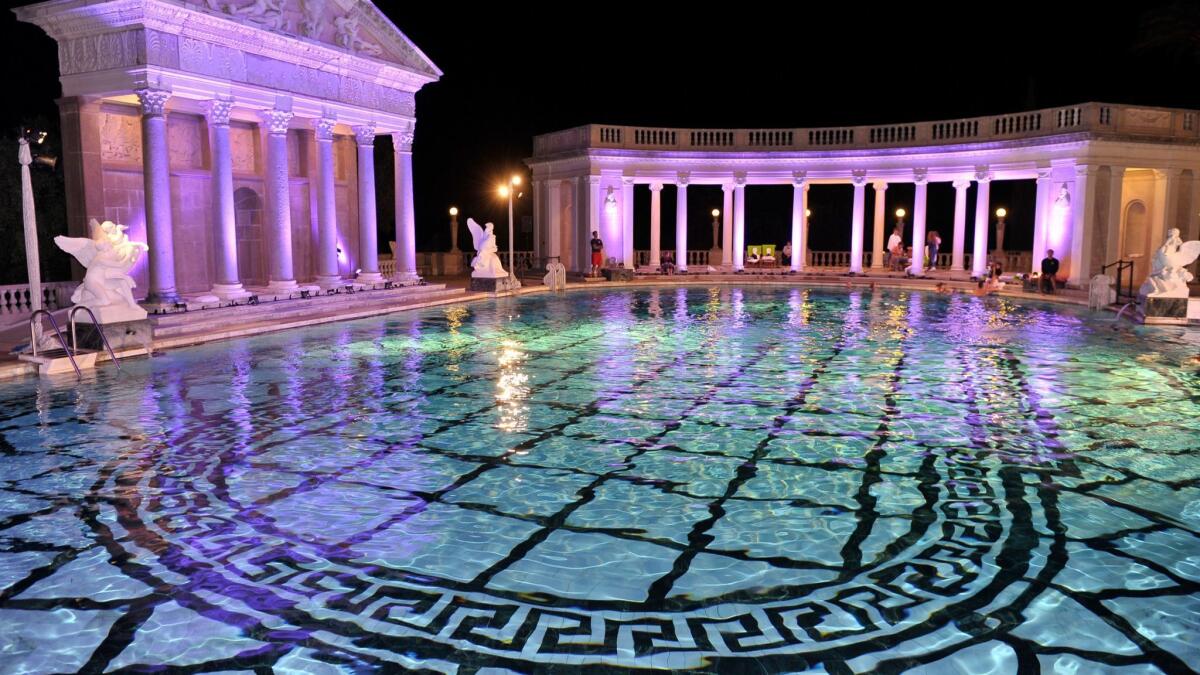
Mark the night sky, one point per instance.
(527, 70)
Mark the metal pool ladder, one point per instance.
(68, 351)
(96, 324)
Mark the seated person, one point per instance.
(768, 255)
(943, 289)
(666, 263)
(786, 255)
(1048, 282)
(753, 258)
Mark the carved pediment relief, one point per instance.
(354, 25)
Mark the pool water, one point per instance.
(719, 479)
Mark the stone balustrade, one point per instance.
(1087, 118)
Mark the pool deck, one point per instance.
(226, 323)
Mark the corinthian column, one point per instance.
(799, 221)
(368, 231)
(406, 218)
(858, 213)
(960, 224)
(280, 277)
(328, 272)
(228, 285)
(156, 177)
(681, 233)
(880, 216)
(979, 261)
(917, 266)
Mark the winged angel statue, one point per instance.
(108, 256)
(486, 264)
(1168, 275)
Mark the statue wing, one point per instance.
(477, 235)
(1188, 253)
(82, 248)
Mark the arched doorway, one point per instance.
(1135, 239)
(248, 218)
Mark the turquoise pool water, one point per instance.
(727, 480)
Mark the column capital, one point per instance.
(983, 174)
(403, 140)
(1116, 171)
(739, 179)
(276, 120)
(153, 101)
(726, 187)
(364, 135)
(1081, 169)
(681, 178)
(323, 127)
(799, 178)
(880, 185)
(961, 183)
(921, 176)
(858, 177)
(656, 187)
(593, 180)
(219, 111)
(627, 181)
(1045, 175)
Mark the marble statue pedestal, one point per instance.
(618, 274)
(1163, 311)
(494, 285)
(138, 334)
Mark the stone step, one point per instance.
(216, 321)
(313, 304)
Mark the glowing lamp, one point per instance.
(454, 210)
(716, 212)
(1000, 213)
(504, 191)
(900, 213)
(516, 180)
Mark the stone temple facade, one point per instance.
(236, 137)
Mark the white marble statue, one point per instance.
(1100, 292)
(1168, 274)
(107, 288)
(313, 21)
(556, 276)
(347, 36)
(486, 264)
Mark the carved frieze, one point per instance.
(243, 143)
(185, 141)
(120, 139)
(1151, 119)
(92, 53)
(205, 58)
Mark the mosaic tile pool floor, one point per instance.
(724, 480)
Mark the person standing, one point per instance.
(597, 254)
(933, 241)
(895, 247)
(1049, 272)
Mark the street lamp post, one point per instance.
(716, 215)
(1001, 213)
(509, 191)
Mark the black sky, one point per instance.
(515, 71)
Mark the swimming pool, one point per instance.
(721, 479)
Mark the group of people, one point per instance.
(899, 256)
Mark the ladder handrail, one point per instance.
(58, 333)
(1122, 266)
(96, 324)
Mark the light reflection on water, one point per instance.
(772, 478)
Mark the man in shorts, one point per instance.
(597, 253)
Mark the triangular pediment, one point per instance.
(357, 26)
